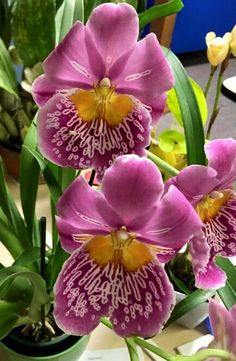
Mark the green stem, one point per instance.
(54, 227)
(212, 72)
(205, 354)
(133, 353)
(42, 227)
(199, 356)
(215, 110)
(162, 164)
(157, 350)
(132, 348)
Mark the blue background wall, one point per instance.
(197, 18)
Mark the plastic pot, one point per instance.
(63, 348)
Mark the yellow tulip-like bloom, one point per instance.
(217, 47)
(233, 41)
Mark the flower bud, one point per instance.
(217, 47)
(233, 41)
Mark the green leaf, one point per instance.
(88, 7)
(7, 73)
(12, 213)
(40, 296)
(179, 283)
(191, 116)
(28, 257)
(10, 240)
(189, 303)
(228, 292)
(33, 29)
(171, 140)
(29, 184)
(158, 11)
(56, 262)
(134, 3)
(47, 169)
(7, 324)
(173, 104)
(69, 12)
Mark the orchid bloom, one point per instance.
(224, 328)
(118, 236)
(101, 91)
(210, 191)
(233, 41)
(217, 47)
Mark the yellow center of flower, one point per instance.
(119, 248)
(102, 102)
(209, 207)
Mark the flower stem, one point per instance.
(162, 164)
(212, 72)
(157, 350)
(132, 348)
(215, 110)
(42, 227)
(205, 354)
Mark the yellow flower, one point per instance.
(233, 41)
(217, 47)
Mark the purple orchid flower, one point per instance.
(101, 90)
(224, 328)
(118, 236)
(210, 191)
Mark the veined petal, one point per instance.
(114, 28)
(67, 140)
(72, 236)
(221, 154)
(200, 254)
(75, 62)
(211, 277)
(44, 88)
(195, 181)
(138, 303)
(132, 186)
(173, 223)
(146, 74)
(87, 209)
(220, 231)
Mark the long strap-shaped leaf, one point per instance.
(69, 12)
(9, 208)
(190, 111)
(158, 11)
(189, 303)
(7, 74)
(29, 179)
(228, 292)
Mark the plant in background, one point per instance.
(219, 50)
(121, 232)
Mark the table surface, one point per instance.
(102, 337)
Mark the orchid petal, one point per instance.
(131, 186)
(85, 291)
(195, 181)
(221, 154)
(67, 140)
(211, 277)
(75, 62)
(114, 29)
(173, 223)
(87, 209)
(223, 325)
(145, 73)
